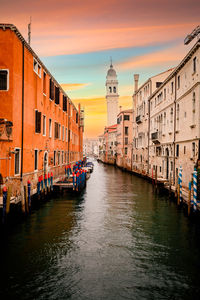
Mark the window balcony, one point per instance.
(155, 137)
(138, 119)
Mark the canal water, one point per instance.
(117, 240)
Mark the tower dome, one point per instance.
(111, 72)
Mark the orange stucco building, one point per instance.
(41, 130)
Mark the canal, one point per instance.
(117, 240)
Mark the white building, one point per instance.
(174, 120)
(141, 119)
(112, 96)
(90, 147)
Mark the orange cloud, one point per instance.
(171, 55)
(73, 86)
(95, 39)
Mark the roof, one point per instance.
(13, 28)
(149, 79)
(179, 67)
(130, 110)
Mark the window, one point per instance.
(64, 103)
(44, 82)
(59, 131)
(193, 150)
(54, 158)
(125, 150)
(66, 134)
(69, 135)
(194, 64)
(17, 161)
(164, 94)
(36, 67)
(50, 128)
(76, 118)
(44, 125)
(51, 89)
(57, 95)
(126, 130)
(63, 132)
(184, 150)
(177, 150)
(62, 157)
(126, 117)
(56, 131)
(37, 121)
(172, 87)
(110, 89)
(178, 82)
(158, 84)
(126, 141)
(65, 156)
(58, 157)
(36, 160)
(114, 89)
(4, 83)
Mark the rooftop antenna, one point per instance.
(192, 35)
(29, 32)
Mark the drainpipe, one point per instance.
(22, 137)
(175, 96)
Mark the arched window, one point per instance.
(114, 89)
(110, 89)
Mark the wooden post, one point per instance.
(178, 202)
(26, 199)
(170, 184)
(8, 200)
(156, 177)
(23, 198)
(189, 198)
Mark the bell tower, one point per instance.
(112, 96)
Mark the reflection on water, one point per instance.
(118, 240)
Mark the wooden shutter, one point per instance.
(38, 121)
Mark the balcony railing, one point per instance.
(155, 137)
(138, 119)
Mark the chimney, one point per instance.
(136, 79)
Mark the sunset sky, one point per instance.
(76, 38)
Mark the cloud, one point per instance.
(73, 86)
(170, 56)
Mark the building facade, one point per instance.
(41, 130)
(125, 138)
(90, 147)
(141, 120)
(174, 121)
